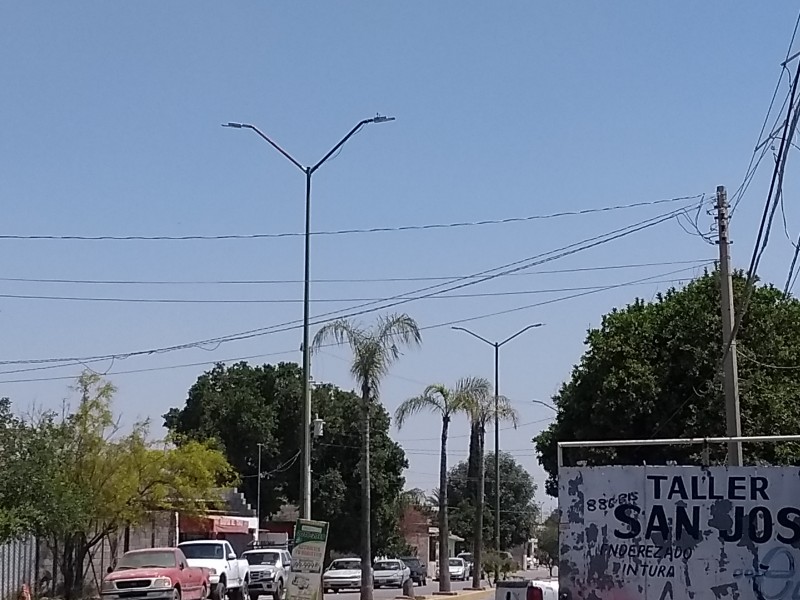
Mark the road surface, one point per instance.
(391, 593)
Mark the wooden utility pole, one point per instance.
(729, 367)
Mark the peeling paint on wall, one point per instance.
(657, 533)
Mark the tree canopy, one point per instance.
(652, 370)
(241, 405)
(547, 538)
(73, 478)
(518, 509)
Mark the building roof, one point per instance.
(434, 532)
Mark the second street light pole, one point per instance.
(309, 171)
(497, 346)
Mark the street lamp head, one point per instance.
(381, 119)
(234, 125)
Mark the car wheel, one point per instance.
(218, 591)
(204, 592)
(278, 595)
(176, 594)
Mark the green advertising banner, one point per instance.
(308, 554)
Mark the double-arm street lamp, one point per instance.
(308, 171)
(497, 346)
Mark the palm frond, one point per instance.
(395, 330)
(505, 411)
(476, 400)
(374, 349)
(434, 398)
(341, 332)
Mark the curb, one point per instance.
(458, 594)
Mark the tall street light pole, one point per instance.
(497, 346)
(308, 171)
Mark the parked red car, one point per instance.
(157, 574)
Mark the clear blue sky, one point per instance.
(111, 115)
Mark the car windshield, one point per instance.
(262, 558)
(163, 559)
(456, 562)
(345, 565)
(387, 565)
(203, 551)
(411, 562)
(465, 556)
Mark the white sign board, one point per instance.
(308, 555)
(679, 533)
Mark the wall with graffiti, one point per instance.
(679, 532)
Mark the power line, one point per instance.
(83, 363)
(767, 217)
(753, 166)
(444, 278)
(755, 361)
(294, 300)
(389, 302)
(750, 282)
(258, 236)
(552, 301)
(466, 435)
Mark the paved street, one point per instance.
(390, 593)
(433, 586)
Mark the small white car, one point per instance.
(390, 573)
(458, 569)
(342, 574)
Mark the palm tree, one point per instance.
(482, 412)
(445, 402)
(374, 350)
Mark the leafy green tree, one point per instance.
(239, 406)
(652, 370)
(481, 411)
(78, 479)
(518, 511)
(547, 539)
(374, 351)
(445, 402)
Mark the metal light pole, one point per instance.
(258, 494)
(308, 171)
(497, 346)
(545, 404)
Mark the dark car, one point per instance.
(419, 570)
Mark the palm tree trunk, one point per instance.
(444, 530)
(472, 463)
(477, 551)
(366, 508)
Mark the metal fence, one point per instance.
(19, 564)
(33, 562)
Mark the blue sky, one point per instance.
(111, 115)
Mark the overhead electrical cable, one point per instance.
(391, 301)
(763, 144)
(259, 236)
(770, 207)
(444, 278)
(651, 279)
(293, 300)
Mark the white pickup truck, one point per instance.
(228, 574)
